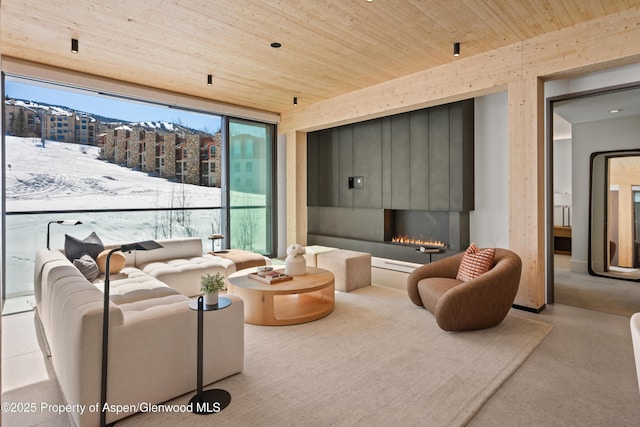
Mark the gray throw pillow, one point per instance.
(74, 248)
(87, 267)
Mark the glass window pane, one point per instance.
(118, 186)
(251, 185)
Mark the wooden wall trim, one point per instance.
(296, 187)
(526, 187)
(596, 45)
(464, 79)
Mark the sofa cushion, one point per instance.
(87, 266)
(241, 258)
(132, 285)
(116, 262)
(475, 262)
(74, 248)
(171, 249)
(184, 274)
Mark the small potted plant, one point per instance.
(210, 286)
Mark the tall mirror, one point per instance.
(614, 216)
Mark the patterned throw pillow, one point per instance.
(475, 262)
(87, 267)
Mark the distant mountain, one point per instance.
(71, 110)
(161, 126)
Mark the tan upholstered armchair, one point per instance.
(475, 304)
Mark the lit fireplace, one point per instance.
(406, 240)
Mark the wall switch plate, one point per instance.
(356, 182)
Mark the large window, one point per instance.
(141, 177)
(251, 185)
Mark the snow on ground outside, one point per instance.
(65, 176)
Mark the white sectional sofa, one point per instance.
(152, 339)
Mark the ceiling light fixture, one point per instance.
(615, 110)
(276, 45)
(209, 80)
(295, 100)
(456, 49)
(74, 45)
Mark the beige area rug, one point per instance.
(376, 360)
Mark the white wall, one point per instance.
(561, 178)
(489, 221)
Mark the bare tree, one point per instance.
(176, 219)
(245, 227)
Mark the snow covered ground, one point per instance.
(65, 176)
(70, 177)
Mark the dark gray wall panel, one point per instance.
(419, 163)
(401, 161)
(367, 162)
(319, 169)
(456, 165)
(365, 224)
(421, 160)
(438, 163)
(345, 165)
(386, 162)
(313, 180)
(468, 198)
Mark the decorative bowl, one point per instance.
(263, 271)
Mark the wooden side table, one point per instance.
(214, 400)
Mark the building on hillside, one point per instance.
(192, 159)
(28, 119)
(210, 161)
(247, 163)
(23, 119)
(85, 129)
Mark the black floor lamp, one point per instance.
(61, 222)
(138, 246)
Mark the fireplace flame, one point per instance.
(413, 241)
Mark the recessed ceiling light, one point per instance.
(615, 110)
(275, 45)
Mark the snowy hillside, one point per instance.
(65, 176)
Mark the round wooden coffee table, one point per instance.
(303, 299)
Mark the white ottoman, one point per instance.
(351, 269)
(312, 254)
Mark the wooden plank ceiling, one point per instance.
(329, 47)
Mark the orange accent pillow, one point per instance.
(475, 262)
(116, 262)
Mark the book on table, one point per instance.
(271, 278)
